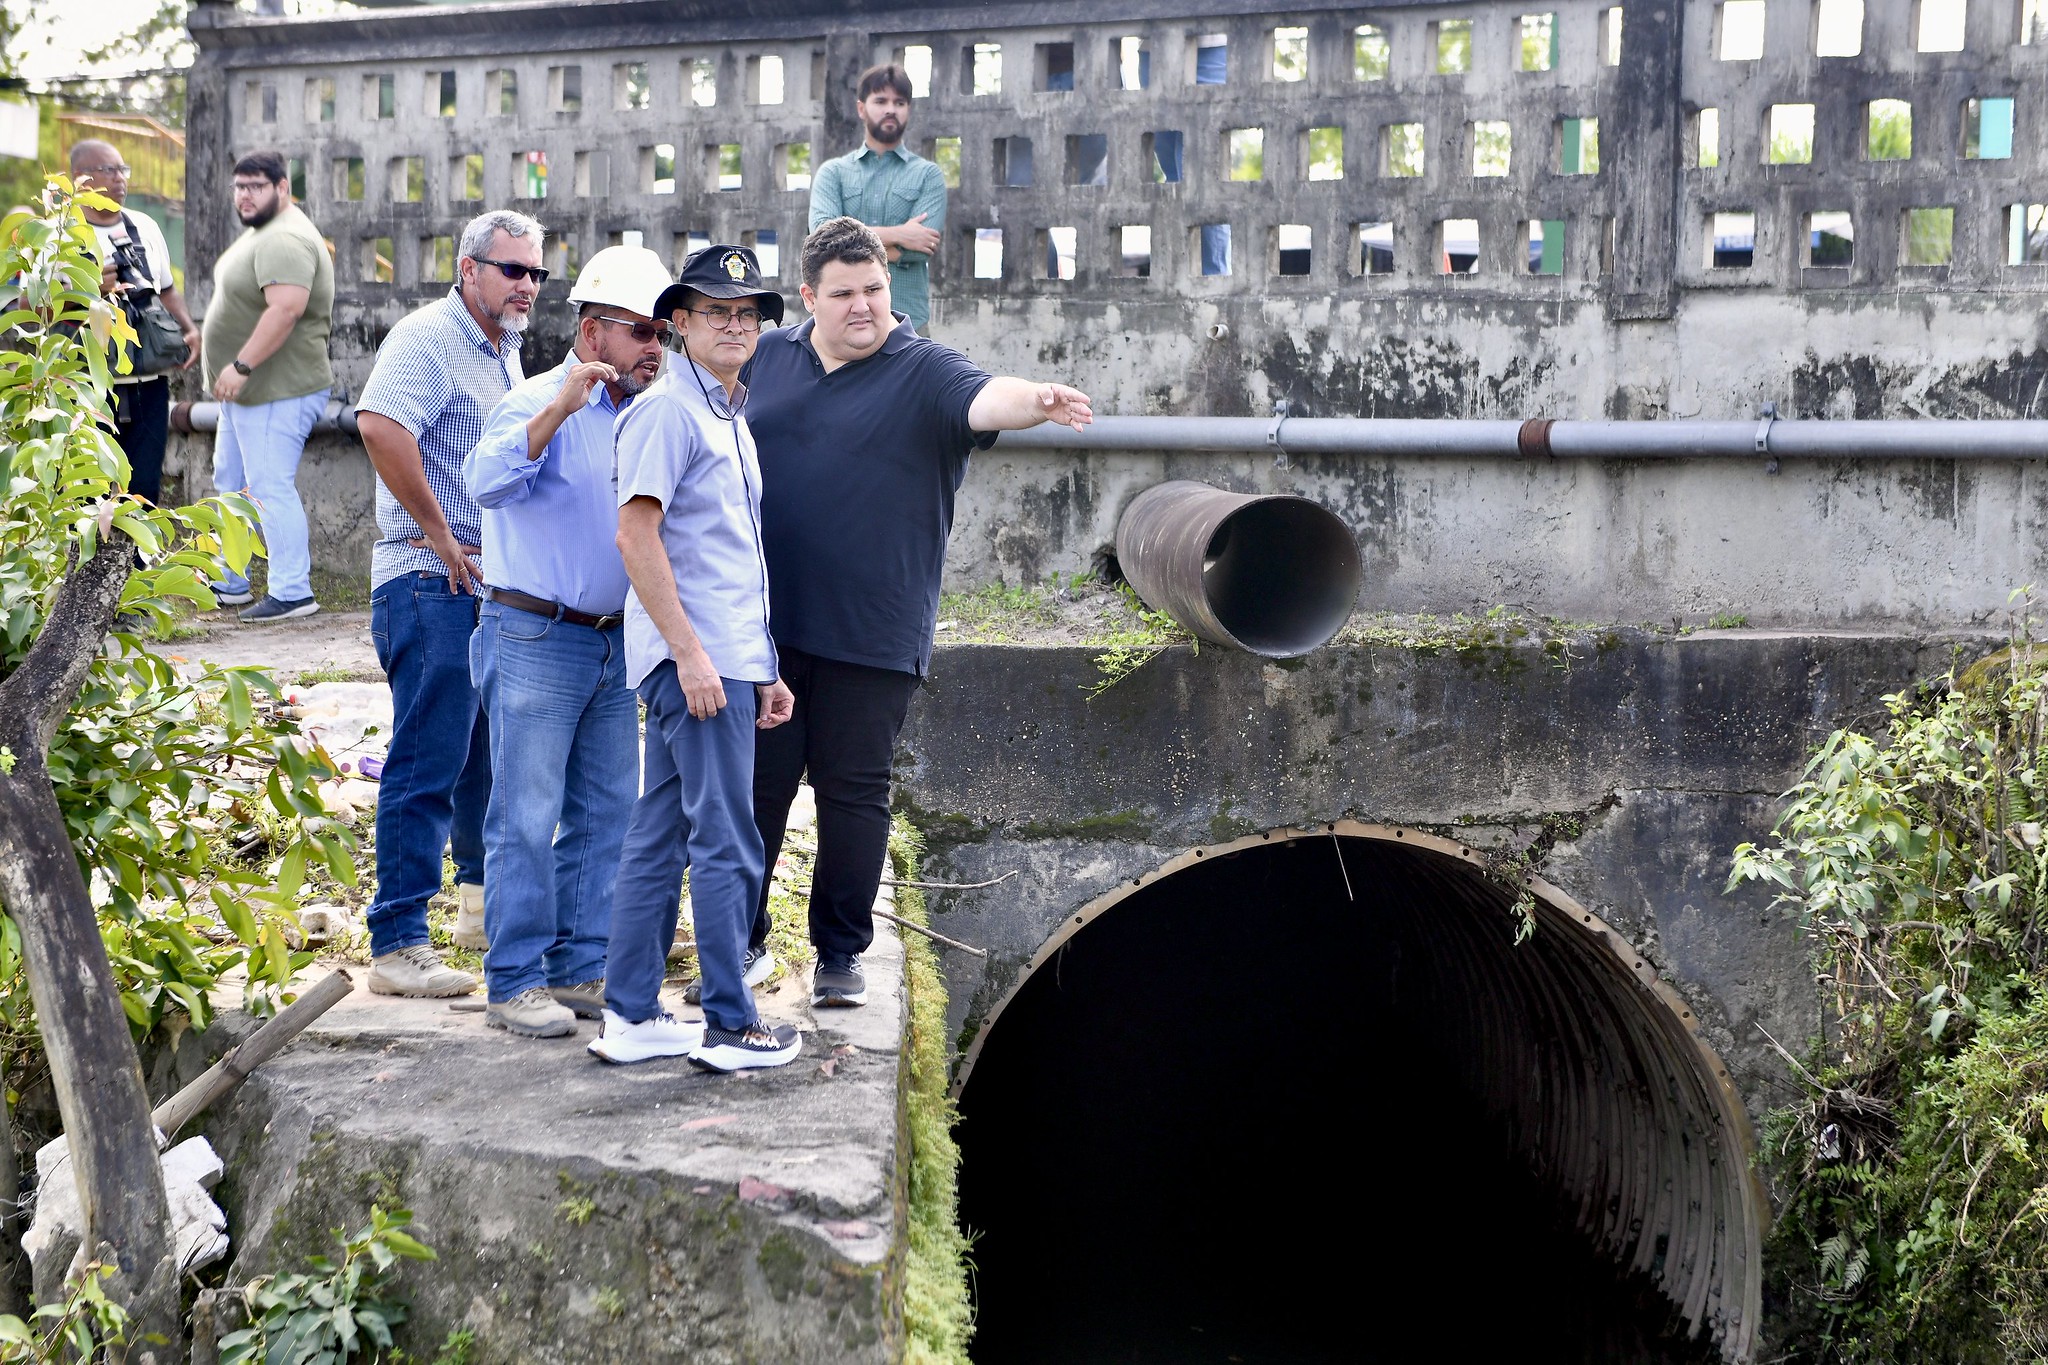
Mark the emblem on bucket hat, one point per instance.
(735, 265)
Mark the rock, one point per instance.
(198, 1227)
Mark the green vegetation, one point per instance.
(1728, 620)
(999, 613)
(84, 1325)
(1915, 1224)
(938, 1313)
(1126, 651)
(333, 1312)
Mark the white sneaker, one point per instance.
(417, 971)
(469, 917)
(662, 1036)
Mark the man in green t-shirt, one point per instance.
(893, 190)
(264, 351)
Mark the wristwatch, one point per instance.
(242, 367)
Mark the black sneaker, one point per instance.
(838, 981)
(756, 966)
(740, 1049)
(277, 609)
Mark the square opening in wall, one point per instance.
(268, 103)
(764, 79)
(1134, 251)
(793, 165)
(1492, 147)
(380, 97)
(2026, 234)
(987, 252)
(2033, 22)
(295, 176)
(700, 78)
(1244, 153)
(501, 92)
(1012, 162)
(1371, 54)
(1322, 154)
(1457, 246)
(1888, 131)
(562, 256)
(1056, 253)
(687, 242)
(1987, 129)
(1536, 46)
(593, 174)
(1830, 238)
(1838, 28)
(1578, 146)
(348, 178)
(1209, 60)
(1938, 25)
(632, 87)
(437, 260)
(1162, 152)
(466, 178)
(1791, 141)
(1929, 236)
(1292, 253)
(1290, 54)
(530, 175)
(658, 168)
(1375, 244)
(438, 90)
(1451, 40)
(1739, 30)
(320, 100)
(1610, 36)
(565, 89)
(945, 154)
(1052, 67)
(1706, 138)
(722, 166)
(380, 261)
(1088, 159)
(1131, 58)
(818, 91)
(626, 237)
(407, 177)
(1544, 243)
(916, 61)
(767, 247)
(1731, 240)
(981, 69)
(1209, 249)
(1401, 150)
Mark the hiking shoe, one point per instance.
(586, 998)
(417, 971)
(533, 1013)
(231, 597)
(277, 609)
(756, 966)
(739, 1049)
(839, 981)
(664, 1035)
(469, 918)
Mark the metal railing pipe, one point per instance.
(187, 418)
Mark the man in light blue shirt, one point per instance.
(548, 656)
(698, 648)
(899, 194)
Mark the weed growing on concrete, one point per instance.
(313, 677)
(577, 1211)
(612, 1302)
(1728, 620)
(1128, 650)
(330, 1312)
(938, 1313)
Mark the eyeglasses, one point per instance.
(643, 332)
(514, 271)
(251, 186)
(104, 170)
(749, 319)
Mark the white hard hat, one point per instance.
(629, 277)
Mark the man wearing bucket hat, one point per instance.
(548, 656)
(698, 648)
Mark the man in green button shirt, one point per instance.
(899, 194)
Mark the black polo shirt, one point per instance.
(858, 472)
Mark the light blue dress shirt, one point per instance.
(551, 525)
(702, 469)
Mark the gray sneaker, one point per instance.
(277, 609)
(839, 981)
(586, 998)
(417, 971)
(756, 966)
(532, 1013)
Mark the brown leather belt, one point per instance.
(555, 611)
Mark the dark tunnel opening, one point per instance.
(1278, 1108)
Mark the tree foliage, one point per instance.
(333, 1312)
(1916, 1218)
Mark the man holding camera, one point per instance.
(135, 262)
(266, 361)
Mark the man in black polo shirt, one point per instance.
(864, 429)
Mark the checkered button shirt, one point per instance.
(437, 376)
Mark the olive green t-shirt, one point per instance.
(286, 250)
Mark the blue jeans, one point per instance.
(256, 451)
(563, 776)
(696, 810)
(437, 773)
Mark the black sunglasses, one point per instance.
(515, 271)
(643, 332)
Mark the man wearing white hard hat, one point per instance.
(548, 657)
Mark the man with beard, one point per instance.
(265, 349)
(549, 658)
(438, 375)
(899, 194)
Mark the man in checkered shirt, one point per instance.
(438, 375)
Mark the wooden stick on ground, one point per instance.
(252, 1052)
(951, 886)
(931, 933)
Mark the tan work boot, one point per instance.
(469, 917)
(586, 998)
(417, 971)
(532, 1013)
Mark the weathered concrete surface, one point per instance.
(1668, 752)
(586, 1213)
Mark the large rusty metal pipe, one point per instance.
(1269, 573)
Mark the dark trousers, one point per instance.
(843, 735)
(142, 427)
